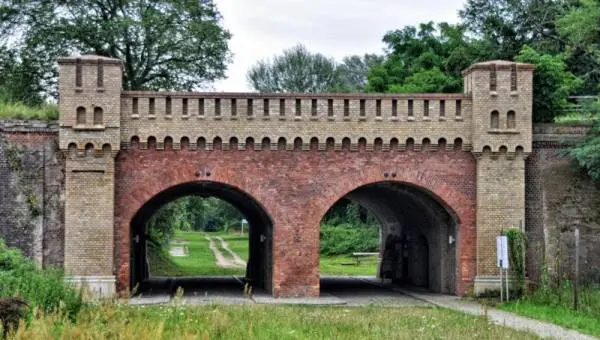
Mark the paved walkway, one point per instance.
(543, 329)
(230, 290)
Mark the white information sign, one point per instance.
(502, 252)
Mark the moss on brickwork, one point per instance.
(13, 158)
(32, 202)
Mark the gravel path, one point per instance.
(541, 328)
(235, 256)
(222, 261)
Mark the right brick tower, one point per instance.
(502, 95)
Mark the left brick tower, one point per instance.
(90, 120)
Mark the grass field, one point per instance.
(265, 322)
(201, 261)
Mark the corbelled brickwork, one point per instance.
(294, 156)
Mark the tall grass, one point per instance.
(43, 290)
(555, 304)
(264, 322)
(22, 111)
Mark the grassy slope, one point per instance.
(21, 111)
(201, 261)
(558, 315)
(555, 305)
(266, 322)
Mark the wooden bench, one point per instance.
(358, 256)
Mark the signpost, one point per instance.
(502, 263)
(244, 221)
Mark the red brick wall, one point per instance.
(296, 188)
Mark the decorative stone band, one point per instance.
(97, 286)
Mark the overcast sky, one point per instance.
(336, 28)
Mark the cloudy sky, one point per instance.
(335, 28)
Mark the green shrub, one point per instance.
(42, 289)
(346, 238)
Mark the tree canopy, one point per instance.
(165, 44)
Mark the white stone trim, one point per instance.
(98, 286)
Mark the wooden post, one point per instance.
(576, 276)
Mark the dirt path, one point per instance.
(222, 261)
(236, 257)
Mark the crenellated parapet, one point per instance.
(294, 121)
(493, 115)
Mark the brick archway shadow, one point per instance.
(418, 234)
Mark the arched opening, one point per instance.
(200, 234)
(233, 143)
(511, 120)
(98, 116)
(495, 120)
(281, 143)
(201, 143)
(80, 119)
(184, 143)
(265, 144)
(329, 144)
(250, 143)
(393, 232)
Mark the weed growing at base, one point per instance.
(556, 305)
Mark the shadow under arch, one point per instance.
(260, 261)
(419, 233)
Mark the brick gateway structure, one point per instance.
(443, 173)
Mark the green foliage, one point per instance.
(42, 289)
(555, 304)
(23, 111)
(587, 153)
(191, 213)
(353, 71)
(427, 81)
(424, 59)
(295, 70)
(517, 242)
(552, 83)
(167, 44)
(578, 27)
(13, 159)
(345, 239)
(503, 27)
(34, 205)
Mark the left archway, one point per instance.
(260, 262)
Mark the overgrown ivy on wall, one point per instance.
(517, 241)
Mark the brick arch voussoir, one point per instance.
(452, 198)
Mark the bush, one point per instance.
(346, 238)
(41, 289)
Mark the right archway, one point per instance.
(418, 234)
